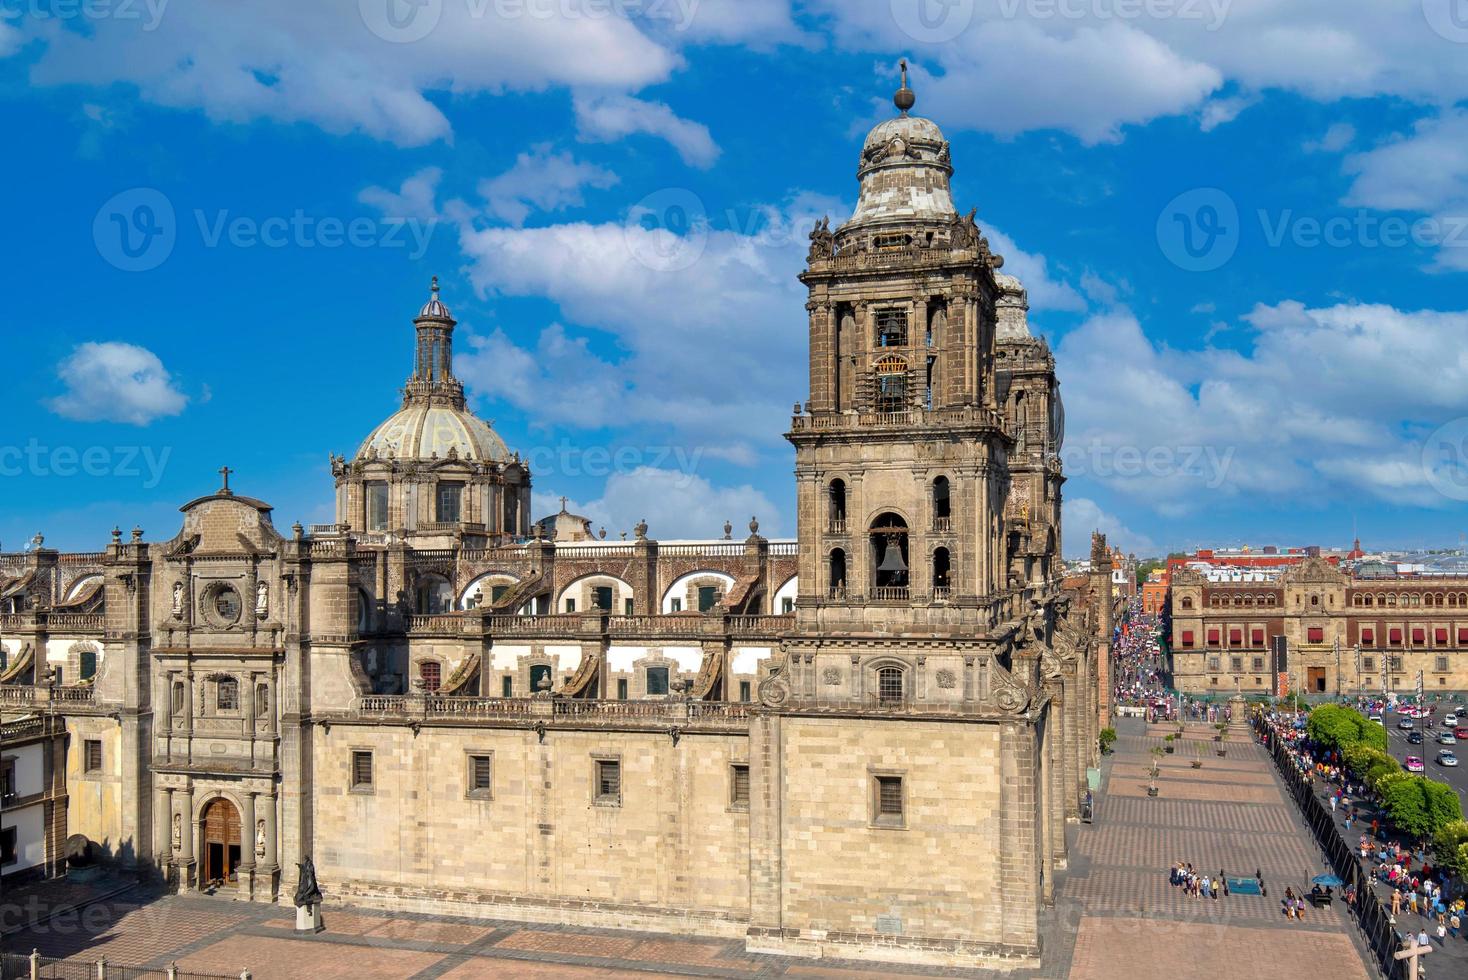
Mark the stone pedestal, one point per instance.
(1238, 711)
(308, 918)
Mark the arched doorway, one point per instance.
(220, 831)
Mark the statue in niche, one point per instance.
(177, 832)
(262, 599)
(178, 591)
(259, 838)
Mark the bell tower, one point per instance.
(901, 455)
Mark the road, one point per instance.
(1401, 748)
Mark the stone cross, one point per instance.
(1410, 952)
(225, 471)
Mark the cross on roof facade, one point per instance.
(225, 471)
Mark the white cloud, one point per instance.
(675, 505)
(608, 118)
(1083, 516)
(542, 180)
(413, 199)
(1327, 404)
(115, 382)
(334, 65)
(1219, 112)
(1033, 270)
(1335, 139)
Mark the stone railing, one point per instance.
(12, 730)
(784, 549)
(715, 550)
(73, 694)
(760, 625)
(655, 713)
(891, 593)
(957, 415)
(17, 694)
(77, 622)
(82, 558)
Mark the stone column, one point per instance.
(766, 874)
(1019, 859)
(246, 872)
(162, 829)
(186, 863)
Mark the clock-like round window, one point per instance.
(222, 604)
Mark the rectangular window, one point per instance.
(628, 608)
(887, 801)
(496, 593)
(1419, 636)
(376, 506)
(8, 838)
(1440, 637)
(1187, 638)
(480, 776)
(1394, 637)
(1396, 664)
(787, 605)
(739, 786)
(1258, 638)
(450, 499)
(227, 694)
(1315, 634)
(677, 605)
(1213, 638)
(1235, 664)
(1214, 663)
(432, 674)
(92, 755)
(708, 597)
(1368, 636)
(621, 689)
(1235, 637)
(1462, 636)
(507, 686)
(1258, 663)
(744, 691)
(608, 789)
(7, 780)
(570, 605)
(1442, 665)
(657, 680)
(362, 771)
(87, 664)
(601, 598)
(1368, 664)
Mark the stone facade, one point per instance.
(864, 743)
(1338, 634)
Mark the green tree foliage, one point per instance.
(1340, 727)
(1450, 848)
(1360, 758)
(1419, 806)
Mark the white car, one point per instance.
(1446, 738)
(1447, 758)
(1450, 719)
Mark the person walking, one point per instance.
(1396, 901)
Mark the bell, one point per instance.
(892, 559)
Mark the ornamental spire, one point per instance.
(905, 99)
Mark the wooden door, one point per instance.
(1317, 679)
(221, 840)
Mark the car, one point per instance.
(1451, 719)
(1376, 718)
(1415, 764)
(1406, 724)
(1416, 738)
(1461, 731)
(1447, 758)
(1446, 738)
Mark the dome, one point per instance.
(426, 431)
(1012, 308)
(434, 308)
(905, 169)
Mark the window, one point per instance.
(540, 678)
(480, 776)
(1462, 635)
(601, 598)
(262, 700)
(889, 685)
(362, 771)
(432, 674)
(1315, 634)
(1235, 637)
(1214, 663)
(942, 507)
(1368, 636)
(507, 686)
(1440, 636)
(1187, 602)
(677, 605)
(1235, 664)
(1368, 664)
(376, 506)
(7, 780)
(1396, 664)
(87, 664)
(891, 328)
(739, 786)
(657, 680)
(570, 605)
(8, 853)
(787, 605)
(627, 607)
(608, 788)
(1442, 665)
(1258, 638)
(1258, 663)
(708, 597)
(1187, 638)
(1213, 638)
(621, 689)
(891, 379)
(179, 699)
(1394, 637)
(92, 755)
(1419, 636)
(744, 691)
(887, 801)
(450, 499)
(227, 694)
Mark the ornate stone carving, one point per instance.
(831, 677)
(774, 690)
(947, 679)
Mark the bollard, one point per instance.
(173, 971)
(35, 964)
(102, 969)
(244, 975)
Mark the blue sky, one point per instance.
(1243, 225)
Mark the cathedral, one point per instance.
(863, 743)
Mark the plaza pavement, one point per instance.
(1115, 917)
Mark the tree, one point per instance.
(1340, 727)
(1146, 568)
(1419, 806)
(1450, 848)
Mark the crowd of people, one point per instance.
(1139, 664)
(1401, 876)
